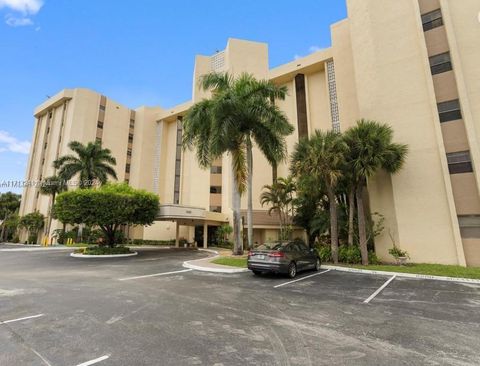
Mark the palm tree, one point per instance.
(91, 162)
(371, 149)
(322, 157)
(280, 196)
(51, 186)
(257, 119)
(239, 113)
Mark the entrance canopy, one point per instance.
(190, 216)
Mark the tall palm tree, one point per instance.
(321, 157)
(280, 197)
(91, 162)
(371, 149)
(239, 113)
(51, 186)
(257, 120)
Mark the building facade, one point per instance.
(414, 64)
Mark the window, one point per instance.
(48, 130)
(130, 137)
(432, 20)
(102, 107)
(43, 161)
(469, 226)
(100, 124)
(216, 170)
(215, 189)
(127, 168)
(459, 162)
(440, 63)
(129, 152)
(45, 146)
(98, 140)
(449, 111)
(132, 123)
(215, 208)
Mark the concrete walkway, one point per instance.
(206, 265)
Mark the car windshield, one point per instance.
(272, 246)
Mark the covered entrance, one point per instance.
(204, 221)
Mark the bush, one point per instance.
(372, 258)
(325, 253)
(151, 242)
(226, 244)
(103, 250)
(16, 239)
(396, 252)
(349, 254)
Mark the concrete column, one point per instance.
(177, 233)
(205, 235)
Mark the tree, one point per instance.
(32, 222)
(240, 112)
(52, 186)
(310, 210)
(91, 162)
(109, 207)
(222, 234)
(279, 196)
(371, 149)
(322, 156)
(9, 204)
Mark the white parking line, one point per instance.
(303, 278)
(92, 362)
(154, 275)
(20, 319)
(372, 296)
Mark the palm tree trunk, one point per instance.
(351, 213)
(362, 232)
(250, 193)
(333, 224)
(237, 219)
(3, 227)
(50, 218)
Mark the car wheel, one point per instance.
(292, 270)
(257, 273)
(317, 264)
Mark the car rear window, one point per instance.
(272, 246)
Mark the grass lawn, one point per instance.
(229, 261)
(426, 269)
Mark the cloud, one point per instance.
(311, 49)
(23, 6)
(12, 144)
(23, 9)
(13, 21)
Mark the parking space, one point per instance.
(149, 310)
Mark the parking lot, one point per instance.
(149, 310)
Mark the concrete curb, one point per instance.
(401, 274)
(191, 264)
(88, 256)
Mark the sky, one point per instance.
(135, 52)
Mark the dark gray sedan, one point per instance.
(286, 258)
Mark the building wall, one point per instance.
(394, 85)
(377, 68)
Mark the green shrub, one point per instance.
(325, 253)
(396, 252)
(349, 254)
(16, 239)
(103, 250)
(225, 244)
(32, 239)
(372, 258)
(151, 242)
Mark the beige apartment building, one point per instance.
(414, 64)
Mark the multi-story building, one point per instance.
(414, 64)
